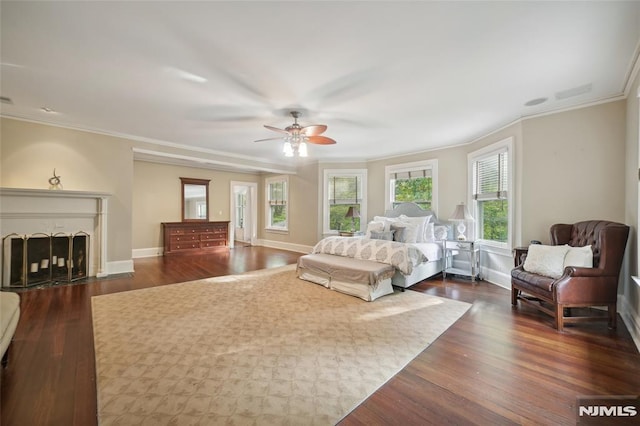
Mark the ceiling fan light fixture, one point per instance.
(297, 137)
(288, 149)
(302, 149)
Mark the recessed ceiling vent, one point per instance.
(569, 93)
(536, 101)
(6, 100)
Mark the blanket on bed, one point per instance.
(400, 255)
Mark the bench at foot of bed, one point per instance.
(365, 279)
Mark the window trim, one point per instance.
(410, 167)
(267, 206)
(328, 174)
(504, 145)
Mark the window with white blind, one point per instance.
(412, 182)
(344, 199)
(491, 176)
(277, 208)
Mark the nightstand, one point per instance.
(453, 248)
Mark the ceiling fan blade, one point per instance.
(321, 140)
(314, 130)
(268, 139)
(275, 129)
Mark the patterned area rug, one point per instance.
(256, 348)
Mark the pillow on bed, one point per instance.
(382, 235)
(374, 226)
(399, 231)
(416, 228)
(386, 220)
(441, 232)
(430, 233)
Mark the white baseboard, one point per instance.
(631, 319)
(492, 276)
(300, 248)
(498, 278)
(159, 251)
(147, 252)
(120, 267)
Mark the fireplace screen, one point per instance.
(35, 259)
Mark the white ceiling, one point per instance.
(386, 77)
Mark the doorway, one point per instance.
(244, 218)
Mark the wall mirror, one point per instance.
(195, 200)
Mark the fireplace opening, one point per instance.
(36, 259)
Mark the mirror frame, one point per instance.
(193, 181)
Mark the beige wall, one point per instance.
(573, 168)
(630, 290)
(85, 161)
(157, 197)
(303, 210)
(568, 167)
(452, 179)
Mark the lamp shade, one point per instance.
(352, 212)
(461, 213)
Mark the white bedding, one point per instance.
(432, 251)
(401, 255)
(428, 262)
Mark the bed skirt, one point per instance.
(365, 279)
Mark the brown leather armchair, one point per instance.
(577, 287)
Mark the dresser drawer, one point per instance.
(185, 246)
(209, 236)
(184, 238)
(213, 243)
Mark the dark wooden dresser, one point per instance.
(195, 237)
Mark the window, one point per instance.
(412, 182)
(201, 210)
(490, 174)
(241, 204)
(277, 208)
(344, 199)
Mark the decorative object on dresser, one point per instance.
(195, 237)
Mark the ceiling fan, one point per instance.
(296, 137)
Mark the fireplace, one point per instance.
(52, 236)
(37, 259)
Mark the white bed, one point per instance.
(368, 267)
(432, 250)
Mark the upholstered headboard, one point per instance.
(411, 210)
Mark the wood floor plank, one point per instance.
(496, 365)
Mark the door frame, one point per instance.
(252, 206)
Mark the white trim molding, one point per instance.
(27, 211)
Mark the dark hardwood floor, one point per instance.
(494, 366)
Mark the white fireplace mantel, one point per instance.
(27, 211)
